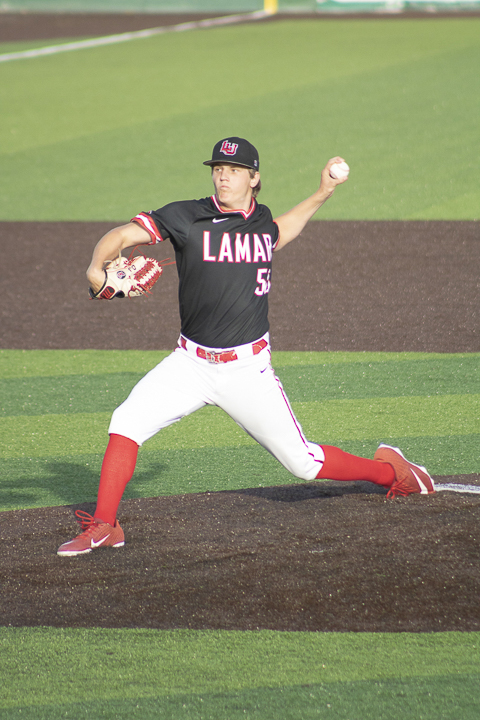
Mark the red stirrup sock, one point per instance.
(340, 465)
(117, 469)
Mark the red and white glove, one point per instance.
(128, 277)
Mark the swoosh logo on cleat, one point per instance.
(423, 488)
(96, 544)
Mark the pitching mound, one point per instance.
(322, 556)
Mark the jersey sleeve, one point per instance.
(276, 236)
(145, 220)
(171, 221)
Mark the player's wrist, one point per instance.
(96, 278)
(323, 194)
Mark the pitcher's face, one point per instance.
(233, 186)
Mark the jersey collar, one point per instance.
(246, 214)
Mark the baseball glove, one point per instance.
(127, 278)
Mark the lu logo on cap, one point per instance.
(229, 148)
(237, 151)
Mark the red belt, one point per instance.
(225, 355)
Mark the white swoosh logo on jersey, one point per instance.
(215, 220)
(96, 544)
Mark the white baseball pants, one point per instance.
(246, 389)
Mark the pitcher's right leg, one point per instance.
(167, 393)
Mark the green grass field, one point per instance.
(99, 134)
(261, 675)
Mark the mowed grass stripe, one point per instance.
(47, 435)
(182, 662)
(58, 363)
(424, 698)
(68, 394)
(65, 394)
(30, 482)
(53, 363)
(389, 417)
(76, 393)
(423, 376)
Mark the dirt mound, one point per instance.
(322, 556)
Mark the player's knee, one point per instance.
(306, 464)
(302, 471)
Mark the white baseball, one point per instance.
(339, 171)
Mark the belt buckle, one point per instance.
(212, 357)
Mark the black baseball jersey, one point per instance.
(224, 264)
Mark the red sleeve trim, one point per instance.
(147, 223)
